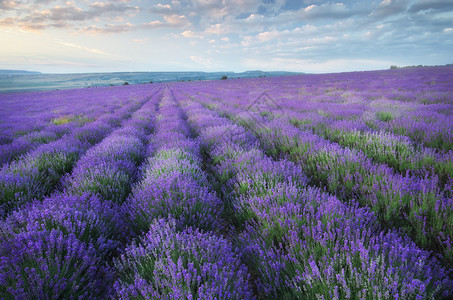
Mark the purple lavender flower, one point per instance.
(86, 217)
(40, 264)
(169, 264)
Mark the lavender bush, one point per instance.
(169, 264)
(299, 187)
(44, 264)
(288, 228)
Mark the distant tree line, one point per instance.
(413, 66)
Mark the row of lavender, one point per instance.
(413, 202)
(23, 113)
(33, 119)
(62, 247)
(368, 134)
(416, 102)
(300, 242)
(358, 120)
(418, 200)
(36, 173)
(179, 253)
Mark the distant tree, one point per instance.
(150, 82)
(393, 67)
(224, 77)
(126, 83)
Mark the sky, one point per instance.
(55, 36)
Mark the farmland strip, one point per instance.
(301, 242)
(335, 124)
(415, 204)
(83, 216)
(180, 254)
(38, 172)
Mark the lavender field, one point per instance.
(331, 186)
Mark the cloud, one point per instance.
(210, 11)
(109, 28)
(30, 26)
(6, 4)
(7, 22)
(40, 16)
(162, 9)
(207, 63)
(216, 29)
(423, 5)
(299, 34)
(191, 34)
(92, 50)
(105, 7)
(176, 20)
(172, 21)
(327, 11)
(268, 35)
(152, 24)
(389, 7)
(71, 12)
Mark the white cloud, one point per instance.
(300, 35)
(176, 20)
(268, 35)
(207, 63)
(389, 8)
(109, 28)
(309, 8)
(424, 5)
(153, 24)
(92, 50)
(327, 11)
(8, 4)
(191, 34)
(167, 6)
(162, 9)
(216, 29)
